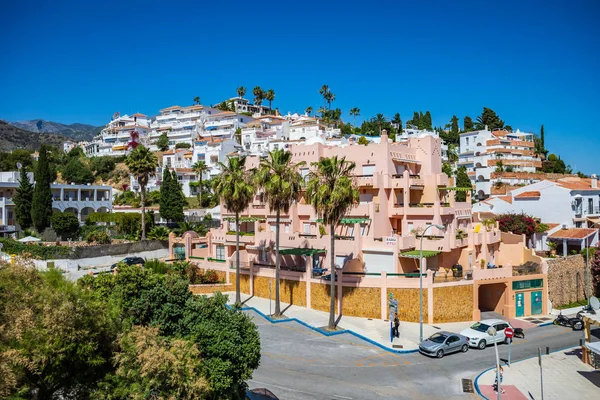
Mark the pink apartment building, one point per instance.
(402, 190)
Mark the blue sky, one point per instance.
(534, 62)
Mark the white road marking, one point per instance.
(342, 397)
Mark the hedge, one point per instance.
(37, 251)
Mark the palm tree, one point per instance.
(196, 100)
(142, 165)
(270, 96)
(380, 119)
(355, 112)
(259, 95)
(324, 91)
(330, 97)
(308, 110)
(278, 176)
(235, 189)
(241, 91)
(336, 116)
(200, 168)
(331, 193)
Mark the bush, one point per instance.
(157, 266)
(128, 224)
(518, 224)
(77, 172)
(159, 233)
(183, 146)
(37, 251)
(101, 237)
(65, 224)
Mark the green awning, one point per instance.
(416, 253)
(301, 251)
(458, 189)
(245, 219)
(357, 220)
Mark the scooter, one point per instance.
(519, 333)
(575, 323)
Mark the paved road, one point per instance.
(300, 364)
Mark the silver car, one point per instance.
(443, 342)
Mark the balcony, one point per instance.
(442, 180)
(416, 180)
(364, 180)
(397, 209)
(419, 209)
(245, 237)
(359, 209)
(491, 273)
(593, 211)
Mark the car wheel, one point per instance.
(481, 345)
(464, 348)
(439, 354)
(577, 326)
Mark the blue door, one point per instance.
(536, 303)
(520, 300)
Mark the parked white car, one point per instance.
(479, 337)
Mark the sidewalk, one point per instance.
(565, 377)
(374, 330)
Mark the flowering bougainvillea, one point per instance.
(595, 267)
(518, 224)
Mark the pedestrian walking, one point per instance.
(396, 325)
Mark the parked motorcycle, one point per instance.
(576, 323)
(519, 333)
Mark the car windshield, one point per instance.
(478, 326)
(438, 338)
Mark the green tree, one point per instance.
(415, 122)
(468, 124)
(499, 166)
(56, 337)
(41, 209)
(427, 124)
(183, 145)
(179, 200)
(163, 142)
(363, 140)
(330, 97)
(166, 205)
(142, 165)
(10, 161)
(542, 137)
(447, 169)
(259, 95)
(103, 166)
(200, 168)
(235, 188)
(324, 92)
(23, 200)
(77, 172)
(380, 120)
(197, 100)
(241, 91)
(454, 125)
(331, 193)
(490, 119)
(270, 96)
(65, 224)
(238, 135)
(308, 110)
(281, 182)
(397, 121)
(354, 112)
(462, 181)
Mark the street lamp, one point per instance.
(441, 227)
(492, 332)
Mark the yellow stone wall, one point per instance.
(453, 303)
(319, 296)
(408, 304)
(244, 282)
(205, 289)
(291, 292)
(361, 302)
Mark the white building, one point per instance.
(244, 106)
(114, 139)
(80, 200)
(482, 152)
(213, 151)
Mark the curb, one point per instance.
(525, 359)
(325, 333)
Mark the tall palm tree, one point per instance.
(259, 95)
(331, 193)
(235, 188)
(380, 119)
(241, 91)
(270, 96)
(196, 100)
(355, 112)
(200, 168)
(142, 164)
(324, 91)
(330, 97)
(278, 176)
(308, 110)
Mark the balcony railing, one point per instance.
(308, 235)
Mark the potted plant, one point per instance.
(482, 263)
(552, 246)
(460, 234)
(489, 224)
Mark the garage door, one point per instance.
(378, 261)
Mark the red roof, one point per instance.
(528, 195)
(507, 199)
(573, 233)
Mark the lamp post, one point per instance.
(492, 332)
(441, 227)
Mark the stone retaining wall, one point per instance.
(566, 279)
(453, 303)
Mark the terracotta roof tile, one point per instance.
(528, 195)
(576, 184)
(551, 226)
(573, 233)
(507, 199)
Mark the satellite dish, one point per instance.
(595, 303)
(19, 165)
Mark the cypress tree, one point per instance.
(23, 200)
(166, 203)
(542, 137)
(468, 124)
(462, 181)
(427, 121)
(41, 209)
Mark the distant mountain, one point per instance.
(76, 132)
(12, 138)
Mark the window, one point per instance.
(220, 253)
(287, 228)
(368, 170)
(214, 159)
(272, 227)
(453, 339)
(262, 255)
(467, 141)
(532, 283)
(306, 228)
(590, 206)
(363, 229)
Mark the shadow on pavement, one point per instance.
(592, 376)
